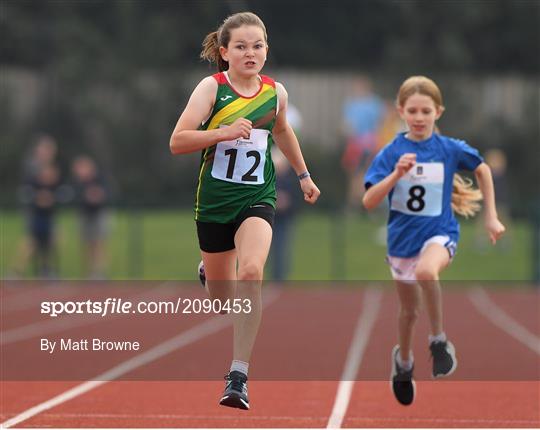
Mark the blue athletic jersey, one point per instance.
(420, 203)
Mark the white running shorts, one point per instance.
(403, 268)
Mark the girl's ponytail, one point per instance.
(465, 198)
(210, 51)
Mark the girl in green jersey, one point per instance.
(234, 117)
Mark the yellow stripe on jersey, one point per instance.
(241, 107)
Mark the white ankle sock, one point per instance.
(405, 364)
(240, 366)
(441, 337)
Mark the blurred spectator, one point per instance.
(42, 153)
(37, 193)
(287, 201)
(294, 118)
(41, 194)
(363, 115)
(496, 159)
(391, 125)
(288, 198)
(91, 196)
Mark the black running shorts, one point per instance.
(215, 237)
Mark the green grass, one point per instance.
(353, 248)
(163, 245)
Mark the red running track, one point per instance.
(304, 341)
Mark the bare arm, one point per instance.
(376, 193)
(288, 144)
(485, 182)
(186, 138)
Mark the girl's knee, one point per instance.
(409, 315)
(250, 271)
(426, 273)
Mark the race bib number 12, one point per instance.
(420, 191)
(242, 160)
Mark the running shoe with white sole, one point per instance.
(236, 392)
(403, 385)
(202, 274)
(444, 358)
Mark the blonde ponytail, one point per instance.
(465, 198)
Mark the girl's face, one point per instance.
(246, 52)
(420, 114)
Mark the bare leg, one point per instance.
(432, 261)
(220, 272)
(252, 242)
(410, 300)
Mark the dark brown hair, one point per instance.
(222, 36)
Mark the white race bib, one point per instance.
(242, 160)
(420, 190)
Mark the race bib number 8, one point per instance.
(242, 160)
(420, 191)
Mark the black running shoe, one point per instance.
(403, 385)
(202, 275)
(444, 358)
(236, 393)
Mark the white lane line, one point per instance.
(449, 422)
(27, 299)
(489, 309)
(55, 325)
(366, 321)
(206, 328)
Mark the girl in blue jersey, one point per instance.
(417, 171)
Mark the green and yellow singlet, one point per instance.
(238, 173)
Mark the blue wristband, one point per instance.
(304, 175)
